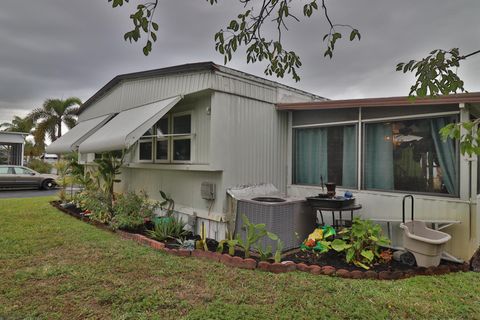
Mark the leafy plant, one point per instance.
(254, 232)
(361, 243)
(230, 242)
(108, 169)
(95, 202)
(132, 210)
(171, 228)
(63, 179)
(202, 243)
(168, 202)
(278, 252)
(264, 254)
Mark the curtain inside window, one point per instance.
(379, 156)
(349, 168)
(446, 156)
(311, 156)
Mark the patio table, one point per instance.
(352, 208)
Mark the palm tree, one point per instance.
(18, 124)
(52, 115)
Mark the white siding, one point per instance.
(248, 141)
(133, 93)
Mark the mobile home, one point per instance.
(197, 130)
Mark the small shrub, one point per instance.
(97, 203)
(254, 232)
(361, 243)
(40, 166)
(131, 211)
(168, 228)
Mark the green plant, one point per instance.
(95, 201)
(230, 242)
(254, 232)
(168, 202)
(132, 210)
(264, 254)
(108, 169)
(64, 179)
(171, 228)
(361, 243)
(202, 243)
(40, 166)
(278, 252)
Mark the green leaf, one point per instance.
(339, 245)
(368, 254)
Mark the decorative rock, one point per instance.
(343, 273)
(279, 268)
(264, 266)
(291, 266)
(397, 275)
(466, 267)
(357, 274)
(236, 262)
(248, 263)
(313, 269)
(184, 252)
(328, 270)
(385, 275)
(226, 259)
(370, 274)
(302, 267)
(157, 245)
(201, 254)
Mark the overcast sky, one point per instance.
(62, 48)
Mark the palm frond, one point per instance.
(70, 121)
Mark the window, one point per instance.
(6, 170)
(145, 150)
(23, 171)
(170, 140)
(410, 155)
(162, 128)
(182, 130)
(327, 154)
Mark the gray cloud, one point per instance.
(58, 48)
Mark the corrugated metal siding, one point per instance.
(134, 93)
(249, 141)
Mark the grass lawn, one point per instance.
(53, 266)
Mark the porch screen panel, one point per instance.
(311, 156)
(410, 155)
(349, 165)
(326, 152)
(379, 156)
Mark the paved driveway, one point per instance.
(30, 193)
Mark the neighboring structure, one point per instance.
(11, 147)
(196, 130)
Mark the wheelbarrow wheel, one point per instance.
(408, 258)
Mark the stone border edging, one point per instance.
(283, 267)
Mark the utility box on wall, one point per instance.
(208, 190)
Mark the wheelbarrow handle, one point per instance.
(403, 206)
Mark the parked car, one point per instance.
(18, 177)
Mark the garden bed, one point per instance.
(331, 263)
